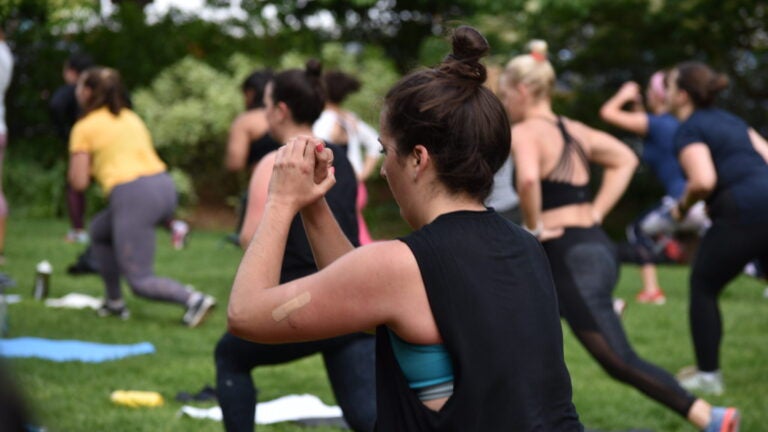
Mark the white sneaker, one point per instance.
(198, 310)
(695, 381)
(77, 236)
(619, 306)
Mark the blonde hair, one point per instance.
(532, 70)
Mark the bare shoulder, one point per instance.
(252, 121)
(386, 256)
(525, 131)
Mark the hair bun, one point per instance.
(313, 68)
(538, 49)
(469, 46)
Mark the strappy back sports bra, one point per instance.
(556, 188)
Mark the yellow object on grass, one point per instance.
(136, 398)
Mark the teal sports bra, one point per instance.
(422, 365)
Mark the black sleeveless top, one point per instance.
(259, 148)
(556, 189)
(491, 292)
(298, 260)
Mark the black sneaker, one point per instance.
(121, 312)
(197, 312)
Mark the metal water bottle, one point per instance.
(42, 280)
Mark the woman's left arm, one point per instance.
(79, 172)
(699, 168)
(619, 163)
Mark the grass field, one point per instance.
(74, 396)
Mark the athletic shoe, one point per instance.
(674, 251)
(724, 420)
(619, 306)
(198, 310)
(121, 312)
(696, 381)
(179, 231)
(655, 297)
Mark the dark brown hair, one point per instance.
(447, 109)
(302, 91)
(700, 82)
(79, 61)
(256, 82)
(339, 85)
(106, 90)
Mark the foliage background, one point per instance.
(184, 71)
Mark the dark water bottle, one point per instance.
(42, 280)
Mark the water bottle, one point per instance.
(42, 280)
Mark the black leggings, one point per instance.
(585, 268)
(349, 362)
(724, 251)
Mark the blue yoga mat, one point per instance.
(70, 350)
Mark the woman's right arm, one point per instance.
(79, 173)
(237, 144)
(759, 143)
(525, 155)
(79, 169)
(612, 110)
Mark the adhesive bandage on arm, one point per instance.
(281, 312)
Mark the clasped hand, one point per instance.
(302, 174)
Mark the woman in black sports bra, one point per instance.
(552, 156)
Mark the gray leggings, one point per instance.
(123, 238)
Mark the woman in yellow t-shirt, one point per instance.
(111, 144)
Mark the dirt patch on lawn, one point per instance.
(213, 217)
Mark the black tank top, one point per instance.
(491, 292)
(556, 189)
(260, 147)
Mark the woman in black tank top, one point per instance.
(466, 278)
(552, 157)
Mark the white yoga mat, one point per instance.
(286, 408)
(75, 301)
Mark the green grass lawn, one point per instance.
(74, 396)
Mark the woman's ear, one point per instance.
(285, 112)
(420, 159)
(522, 89)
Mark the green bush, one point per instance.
(190, 105)
(188, 109)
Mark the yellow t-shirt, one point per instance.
(120, 147)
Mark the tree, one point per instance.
(399, 27)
